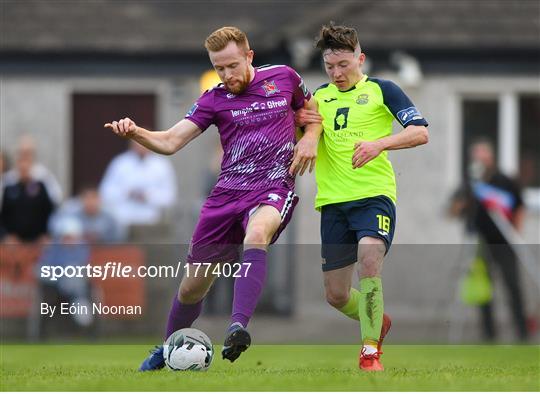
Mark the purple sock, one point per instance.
(248, 288)
(182, 315)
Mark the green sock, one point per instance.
(351, 307)
(370, 309)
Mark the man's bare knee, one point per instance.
(370, 256)
(193, 289)
(257, 235)
(337, 285)
(189, 295)
(337, 297)
(262, 225)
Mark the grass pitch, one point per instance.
(274, 368)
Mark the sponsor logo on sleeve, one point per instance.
(303, 87)
(408, 114)
(192, 110)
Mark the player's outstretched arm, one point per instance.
(164, 142)
(409, 137)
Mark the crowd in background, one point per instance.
(136, 189)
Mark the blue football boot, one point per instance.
(236, 342)
(154, 361)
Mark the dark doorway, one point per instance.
(93, 147)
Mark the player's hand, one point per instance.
(364, 152)
(124, 127)
(305, 153)
(304, 116)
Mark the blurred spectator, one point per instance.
(38, 172)
(29, 195)
(488, 192)
(98, 225)
(67, 249)
(138, 186)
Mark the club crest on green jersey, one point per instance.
(362, 99)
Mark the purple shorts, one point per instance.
(224, 217)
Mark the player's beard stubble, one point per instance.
(240, 85)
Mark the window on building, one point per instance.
(480, 120)
(529, 140)
(511, 121)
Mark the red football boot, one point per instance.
(370, 362)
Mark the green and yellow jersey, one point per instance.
(363, 113)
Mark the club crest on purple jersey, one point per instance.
(270, 88)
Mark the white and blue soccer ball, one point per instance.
(188, 349)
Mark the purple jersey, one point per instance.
(256, 127)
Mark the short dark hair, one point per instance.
(337, 38)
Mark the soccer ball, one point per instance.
(188, 349)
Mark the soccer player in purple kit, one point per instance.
(253, 200)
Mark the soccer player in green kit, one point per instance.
(355, 180)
